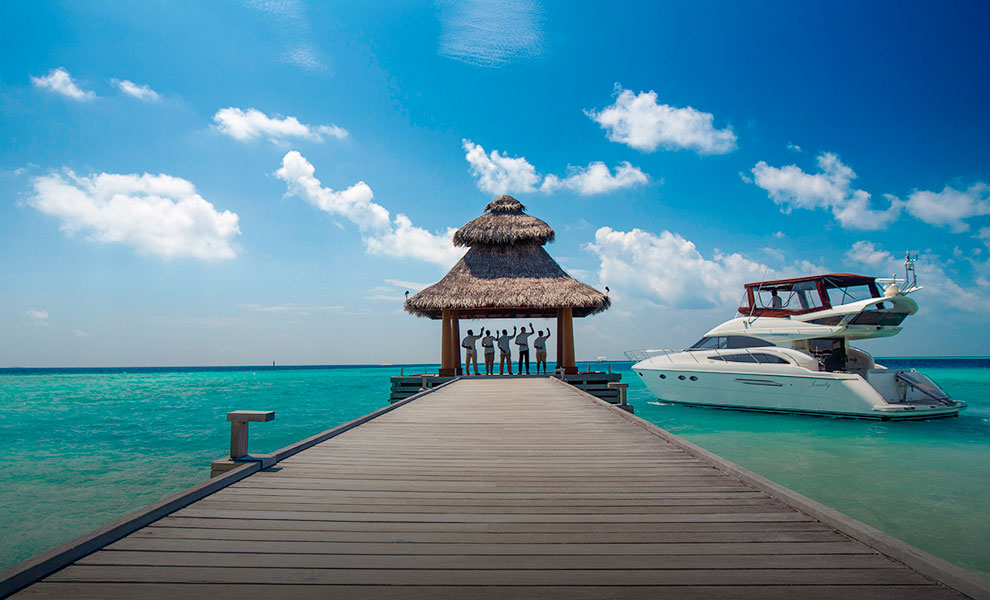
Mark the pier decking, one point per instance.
(493, 488)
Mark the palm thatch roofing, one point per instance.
(506, 273)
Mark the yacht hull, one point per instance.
(783, 389)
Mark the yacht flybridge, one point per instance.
(788, 351)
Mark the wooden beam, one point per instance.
(456, 332)
(559, 334)
(446, 347)
(568, 341)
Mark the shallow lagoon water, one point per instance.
(85, 447)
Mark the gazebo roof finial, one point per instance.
(504, 223)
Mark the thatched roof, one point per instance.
(506, 273)
(504, 223)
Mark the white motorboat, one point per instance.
(788, 351)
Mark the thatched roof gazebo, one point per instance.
(506, 273)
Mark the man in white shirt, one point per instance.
(505, 351)
(471, 354)
(522, 340)
(488, 343)
(540, 344)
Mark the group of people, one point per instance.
(504, 341)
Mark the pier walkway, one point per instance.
(493, 488)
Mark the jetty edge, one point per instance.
(562, 457)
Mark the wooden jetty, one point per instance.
(490, 488)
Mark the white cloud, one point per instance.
(498, 173)
(938, 285)
(793, 147)
(141, 92)
(250, 124)
(395, 290)
(155, 214)
(950, 207)
(779, 234)
(984, 236)
(382, 234)
(638, 121)
(668, 269)
(866, 253)
(59, 81)
(831, 189)
(81, 333)
(490, 33)
(41, 315)
(596, 179)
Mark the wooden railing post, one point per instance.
(239, 420)
(622, 387)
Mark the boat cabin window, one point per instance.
(839, 295)
(751, 357)
(728, 341)
(800, 296)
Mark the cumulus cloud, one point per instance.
(866, 253)
(937, 283)
(155, 214)
(60, 82)
(498, 173)
(950, 207)
(830, 189)
(490, 33)
(668, 269)
(251, 124)
(383, 235)
(141, 92)
(640, 122)
(595, 179)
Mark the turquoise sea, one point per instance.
(82, 447)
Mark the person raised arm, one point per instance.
(531, 330)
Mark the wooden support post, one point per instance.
(560, 337)
(458, 367)
(239, 420)
(622, 387)
(446, 345)
(568, 345)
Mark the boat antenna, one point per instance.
(910, 276)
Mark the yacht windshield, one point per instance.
(728, 341)
(846, 294)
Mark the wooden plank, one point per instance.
(235, 591)
(594, 549)
(627, 537)
(483, 527)
(227, 575)
(511, 561)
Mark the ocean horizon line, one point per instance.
(297, 367)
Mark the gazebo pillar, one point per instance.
(560, 338)
(567, 335)
(446, 346)
(456, 345)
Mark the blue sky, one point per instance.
(241, 182)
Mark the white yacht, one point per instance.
(788, 351)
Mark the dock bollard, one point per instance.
(622, 387)
(239, 420)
